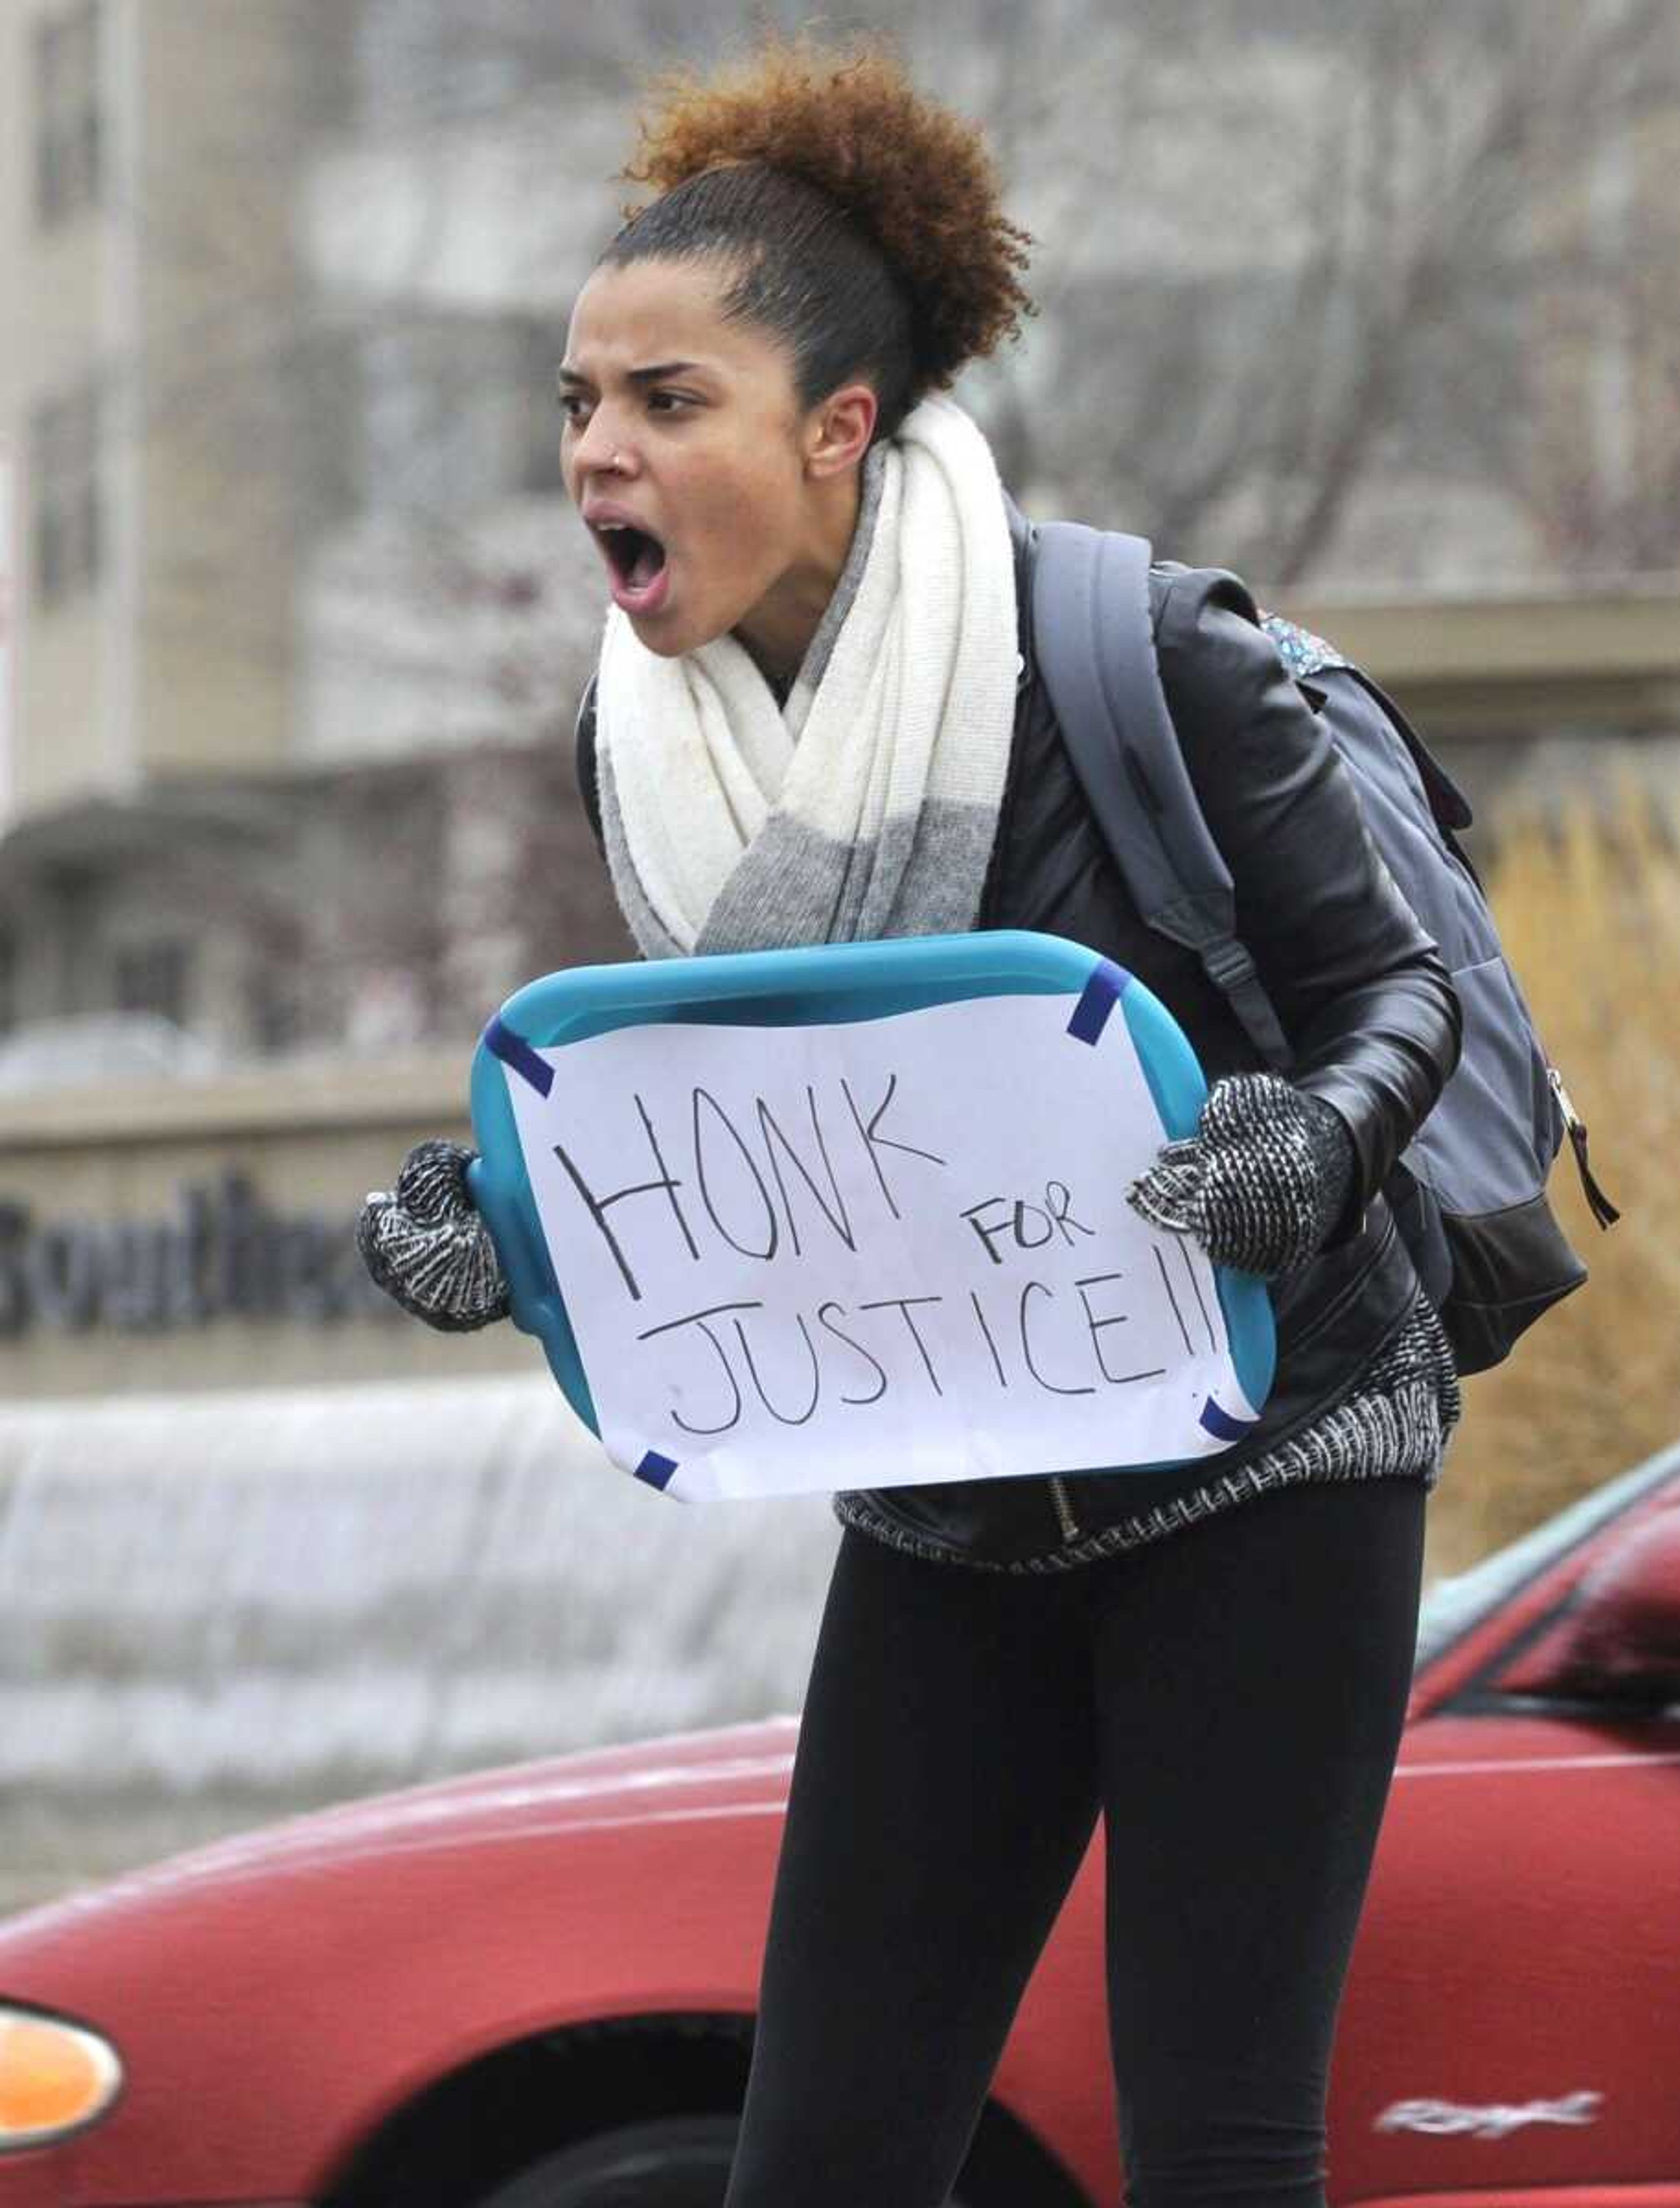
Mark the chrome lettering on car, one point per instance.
(1443, 2117)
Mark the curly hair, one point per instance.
(859, 221)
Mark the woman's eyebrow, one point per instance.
(568, 378)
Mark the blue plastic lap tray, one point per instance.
(809, 988)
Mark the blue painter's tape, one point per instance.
(1097, 1000)
(513, 1050)
(1223, 1425)
(655, 1470)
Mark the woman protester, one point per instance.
(816, 718)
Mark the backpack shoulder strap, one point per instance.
(1094, 640)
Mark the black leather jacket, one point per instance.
(1364, 996)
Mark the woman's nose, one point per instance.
(600, 447)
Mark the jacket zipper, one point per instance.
(1064, 1510)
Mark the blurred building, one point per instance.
(263, 566)
(117, 256)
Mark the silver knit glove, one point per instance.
(1261, 1181)
(425, 1244)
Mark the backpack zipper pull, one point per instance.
(1603, 1210)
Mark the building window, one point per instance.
(69, 137)
(151, 977)
(65, 475)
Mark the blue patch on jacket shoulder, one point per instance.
(1301, 651)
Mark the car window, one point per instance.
(1452, 1606)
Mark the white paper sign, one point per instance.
(870, 1253)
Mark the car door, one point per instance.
(1510, 2031)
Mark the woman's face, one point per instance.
(735, 500)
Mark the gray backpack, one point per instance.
(1468, 1194)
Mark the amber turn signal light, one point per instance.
(54, 2077)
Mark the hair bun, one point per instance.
(918, 178)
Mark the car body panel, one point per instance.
(1518, 1948)
(38, 2178)
(1541, 2196)
(339, 1975)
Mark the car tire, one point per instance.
(669, 2161)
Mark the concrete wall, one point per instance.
(219, 1609)
(196, 1234)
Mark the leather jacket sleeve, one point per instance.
(1361, 990)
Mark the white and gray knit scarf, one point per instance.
(866, 806)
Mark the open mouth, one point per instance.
(636, 557)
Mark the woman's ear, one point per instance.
(839, 429)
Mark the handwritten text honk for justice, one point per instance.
(866, 1253)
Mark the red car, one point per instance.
(533, 1987)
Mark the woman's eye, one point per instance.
(575, 406)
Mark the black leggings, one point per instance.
(1231, 1697)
